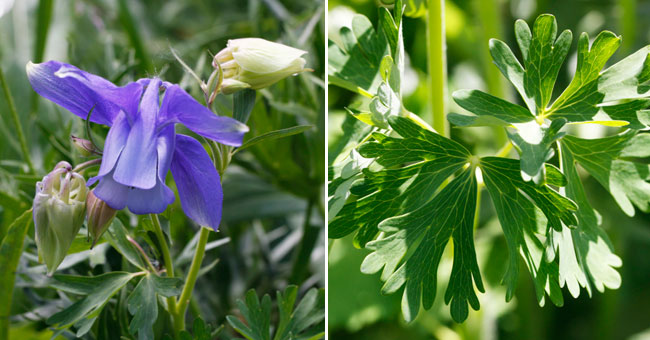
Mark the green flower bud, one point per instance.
(256, 63)
(59, 207)
(99, 215)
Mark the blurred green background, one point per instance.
(357, 310)
(272, 232)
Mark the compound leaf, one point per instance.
(103, 288)
(353, 65)
(613, 161)
(543, 59)
(594, 254)
(143, 302)
(526, 212)
(534, 144)
(423, 234)
(393, 191)
(617, 96)
(616, 93)
(302, 322)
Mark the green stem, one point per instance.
(142, 253)
(167, 259)
(488, 13)
(505, 149)
(477, 213)
(192, 275)
(628, 25)
(16, 121)
(437, 60)
(87, 164)
(489, 18)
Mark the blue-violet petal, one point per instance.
(198, 182)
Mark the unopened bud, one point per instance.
(99, 215)
(256, 63)
(59, 206)
(84, 146)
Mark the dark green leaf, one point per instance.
(594, 260)
(582, 100)
(256, 315)
(303, 322)
(117, 237)
(104, 287)
(525, 212)
(294, 130)
(617, 96)
(391, 192)
(611, 160)
(11, 248)
(201, 330)
(412, 249)
(143, 305)
(544, 58)
(490, 110)
(167, 286)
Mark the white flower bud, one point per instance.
(59, 207)
(256, 63)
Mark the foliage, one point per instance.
(301, 322)
(272, 187)
(409, 191)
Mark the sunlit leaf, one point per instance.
(615, 162)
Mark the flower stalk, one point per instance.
(192, 275)
(169, 265)
(437, 62)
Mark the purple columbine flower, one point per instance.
(142, 145)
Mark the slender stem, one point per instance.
(477, 214)
(87, 164)
(488, 13)
(437, 60)
(505, 150)
(169, 265)
(16, 121)
(628, 24)
(192, 275)
(144, 255)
